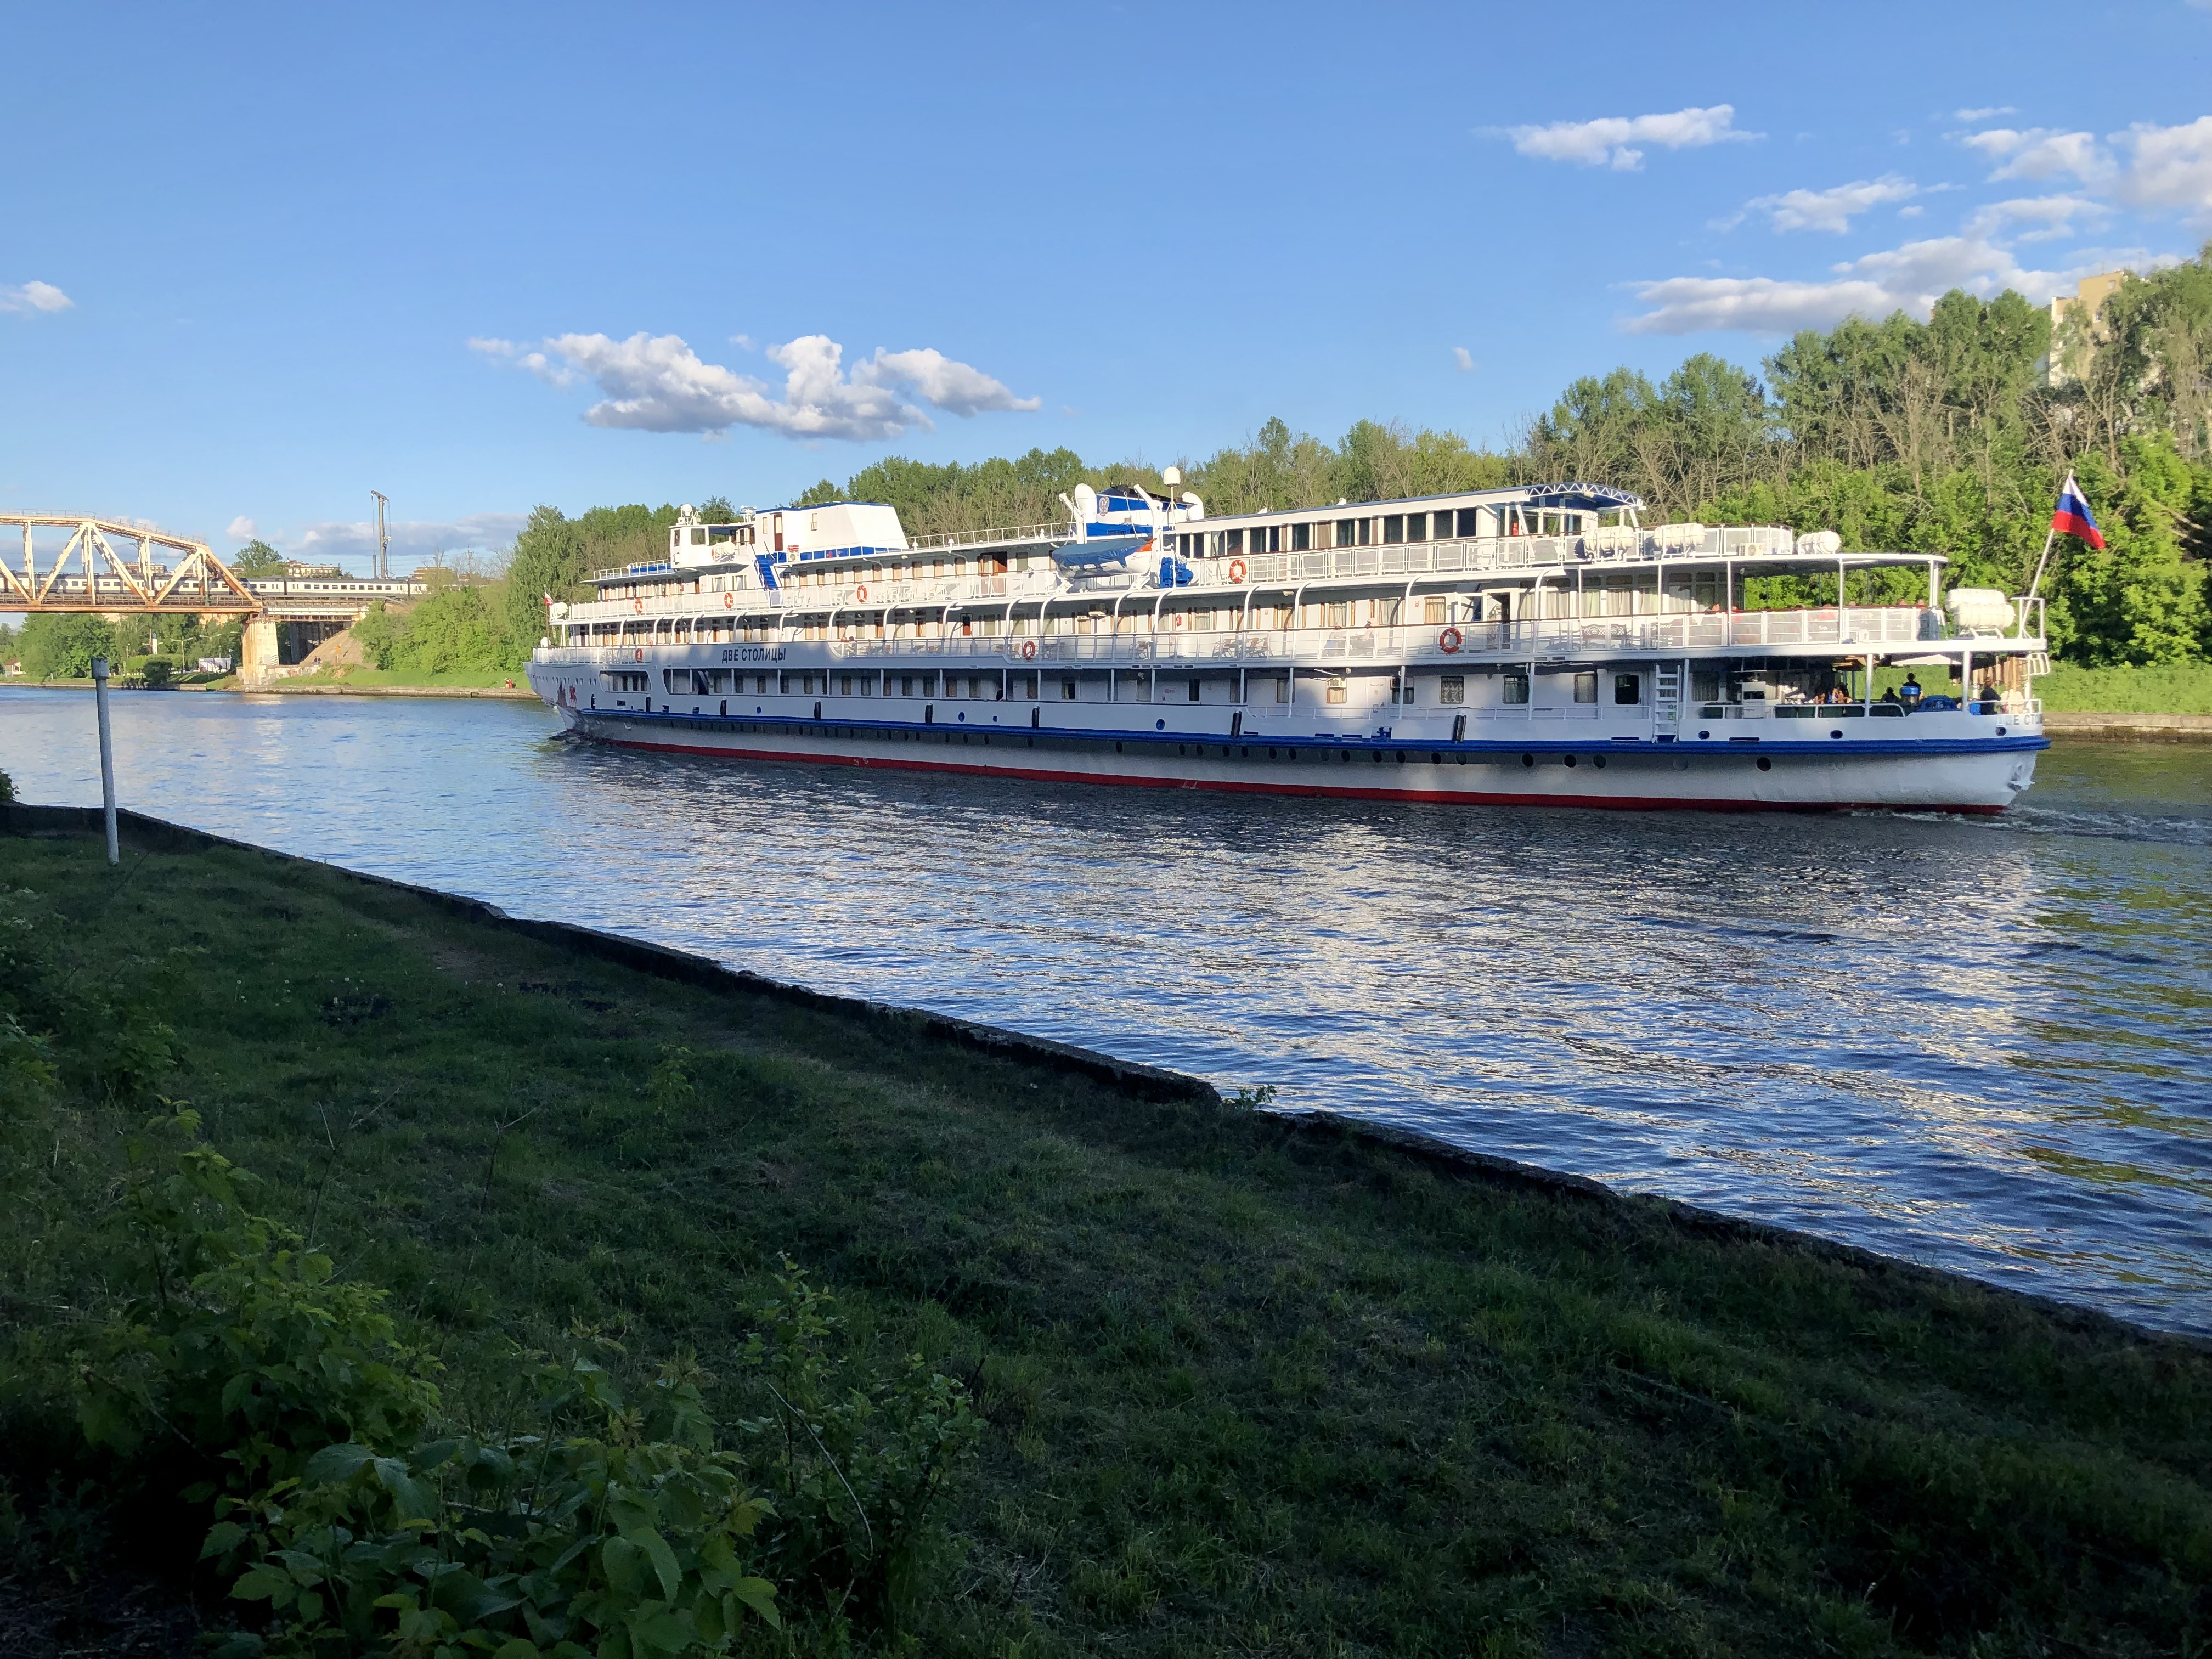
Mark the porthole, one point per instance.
(1528, 760)
(1765, 763)
(1599, 762)
(1570, 760)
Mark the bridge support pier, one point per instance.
(259, 652)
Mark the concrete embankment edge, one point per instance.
(1155, 1083)
(281, 689)
(2129, 728)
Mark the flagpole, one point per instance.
(2049, 536)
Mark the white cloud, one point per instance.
(1835, 208)
(2169, 166)
(1995, 110)
(657, 383)
(2055, 215)
(242, 529)
(524, 357)
(932, 376)
(34, 296)
(413, 542)
(1910, 278)
(1462, 360)
(1611, 141)
(2042, 153)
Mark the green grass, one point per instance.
(1251, 1387)
(2184, 688)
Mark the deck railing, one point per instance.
(1857, 628)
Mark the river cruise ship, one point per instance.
(1534, 645)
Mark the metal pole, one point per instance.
(2049, 536)
(106, 757)
(383, 540)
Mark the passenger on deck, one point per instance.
(1910, 691)
(1890, 697)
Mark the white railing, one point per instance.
(1593, 638)
(1027, 588)
(1018, 535)
(1493, 553)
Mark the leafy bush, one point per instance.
(609, 1531)
(236, 1348)
(241, 1369)
(859, 1463)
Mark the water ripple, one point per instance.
(1978, 1043)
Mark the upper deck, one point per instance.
(1564, 569)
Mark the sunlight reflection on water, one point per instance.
(1981, 1044)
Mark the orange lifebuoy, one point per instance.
(641, 656)
(729, 602)
(862, 592)
(638, 605)
(1236, 570)
(1029, 650)
(1450, 640)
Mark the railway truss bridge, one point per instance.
(117, 569)
(170, 574)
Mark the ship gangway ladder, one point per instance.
(197, 582)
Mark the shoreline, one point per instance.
(2127, 728)
(1144, 1081)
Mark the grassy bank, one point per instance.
(396, 678)
(2183, 690)
(1247, 1386)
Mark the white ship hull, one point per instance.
(1550, 766)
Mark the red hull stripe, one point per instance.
(1442, 797)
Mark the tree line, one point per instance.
(1947, 437)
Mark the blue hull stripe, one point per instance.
(1551, 745)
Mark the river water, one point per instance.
(1981, 1044)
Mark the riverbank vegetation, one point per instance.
(954, 1351)
(61, 646)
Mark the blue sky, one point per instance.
(256, 261)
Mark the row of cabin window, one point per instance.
(1384, 612)
(917, 570)
(729, 682)
(1388, 529)
(1451, 689)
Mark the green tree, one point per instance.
(61, 646)
(256, 559)
(2139, 600)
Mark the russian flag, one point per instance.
(2074, 518)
